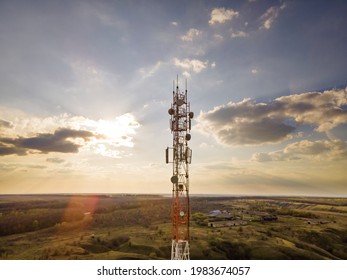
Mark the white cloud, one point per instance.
(174, 23)
(220, 15)
(186, 74)
(250, 123)
(323, 110)
(191, 64)
(213, 65)
(191, 34)
(239, 34)
(270, 16)
(218, 37)
(254, 71)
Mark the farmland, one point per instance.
(139, 227)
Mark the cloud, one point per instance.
(108, 136)
(270, 16)
(274, 156)
(243, 123)
(254, 132)
(218, 37)
(250, 123)
(61, 141)
(36, 166)
(191, 64)
(191, 34)
(150, 71)
(55, 160)
(186, 74)
(239, 34)
(5, 124)
(324, 110)
(9, 167)
(318, 150)
(11, 150)
(261, 157)
(220, 15)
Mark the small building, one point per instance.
(219, 215)
(217, 224)
(214, 213)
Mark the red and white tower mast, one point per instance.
(181, 154)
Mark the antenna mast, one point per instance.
(181, 154)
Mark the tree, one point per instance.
(35, 224)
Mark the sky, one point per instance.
(85, 88)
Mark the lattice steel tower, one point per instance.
(180, 155)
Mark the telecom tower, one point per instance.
(180, 155)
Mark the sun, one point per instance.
(119, 129)
(113, 135)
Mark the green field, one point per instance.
(139, 227)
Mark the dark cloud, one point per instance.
(255, 132)
(5, 124)
(59, 141)
(11, 150)
(250, 123)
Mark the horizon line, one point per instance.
(169, 195)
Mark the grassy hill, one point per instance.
(139, 227)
